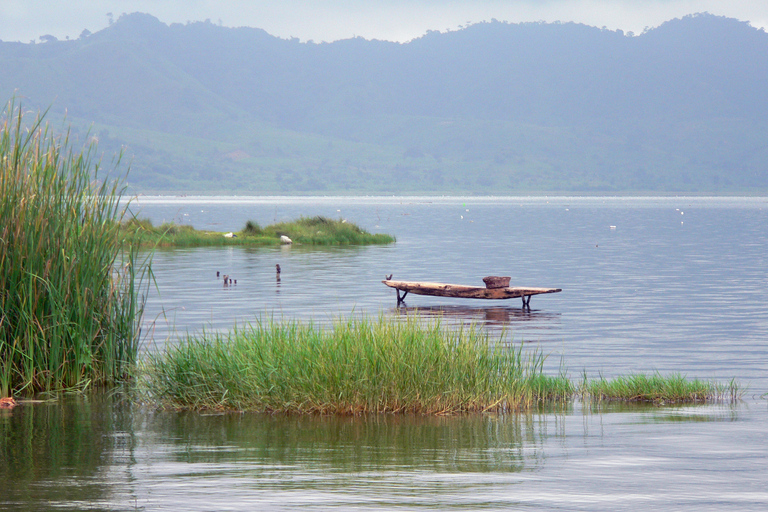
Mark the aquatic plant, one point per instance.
(135, 231)
(307, 231)
(356, 366)
(69, 299)
(252, 228)
(657, 388)
(360, 365)
(321, 230)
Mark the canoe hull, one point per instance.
(466, 292)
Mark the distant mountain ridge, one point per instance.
(491, 108)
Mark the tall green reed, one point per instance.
(70, 302)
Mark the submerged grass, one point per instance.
(357, 366)
(305, 230)
(69, 305)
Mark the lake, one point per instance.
(649, 285)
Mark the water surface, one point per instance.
(649, 284)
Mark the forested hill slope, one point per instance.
(491, 108)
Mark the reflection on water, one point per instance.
(54, 454)
(497, 318)
(379, 462)
(351, 445)
(100, 453)
(723, 411)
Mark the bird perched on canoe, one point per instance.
(388, 278)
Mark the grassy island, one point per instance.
(306, 231)
(362, 366)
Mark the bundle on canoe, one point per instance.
(492, 290)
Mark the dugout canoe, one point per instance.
(465, 291)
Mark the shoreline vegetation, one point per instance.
(368, 366)
(70, 302)
(317, 230)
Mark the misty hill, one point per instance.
(492, 108)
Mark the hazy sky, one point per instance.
(329, 20)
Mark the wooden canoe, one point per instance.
(465, 292)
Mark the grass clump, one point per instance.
(362, 366)
(69, 306)
(657, 388)
(252, 228)
(306, 231)
(135, 231)
(324, 231)
(357, 366)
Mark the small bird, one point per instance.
(277, 267)
(388, 277)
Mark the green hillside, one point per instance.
(492, 108)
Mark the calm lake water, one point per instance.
(649, 284)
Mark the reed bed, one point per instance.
(356, 366)
(305, 231)
(69, 300)
(363, 365)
